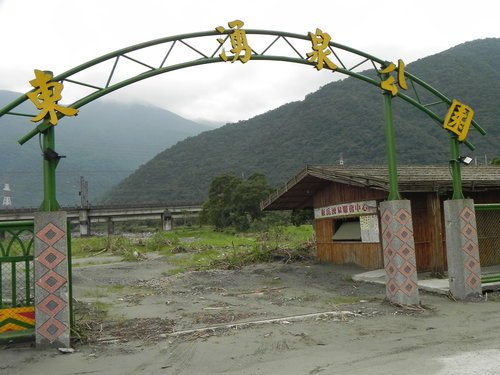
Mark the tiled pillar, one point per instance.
(462, 249)
(399, 252)
(51, 280)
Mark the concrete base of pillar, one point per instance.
(110, 227)
(167, 221)
(399, 252)
(462, 249)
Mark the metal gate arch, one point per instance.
(419, 88)
(419, 93)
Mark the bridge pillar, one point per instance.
(84, 219)
(111, 226)
(167, 222)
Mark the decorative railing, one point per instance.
(17, 313)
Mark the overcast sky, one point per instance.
(57, 35)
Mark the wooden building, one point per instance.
(345, 200)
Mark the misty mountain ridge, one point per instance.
(105, 143)
(341, 119)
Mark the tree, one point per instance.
(233, 201)
(495, 161)
(299, 217)
(217, 209)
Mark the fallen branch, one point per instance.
(100, 252)
(408, 307)
(341, 315)
(256, 291)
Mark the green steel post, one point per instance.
(70, 279)
(13, 282)
(49, 172)
(1, 287)
(487, 207)
(455, 169)
(27, 284)
(390, 149)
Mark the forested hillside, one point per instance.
(342, 118)
(104, 144)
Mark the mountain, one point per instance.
(342, 118)
(105, 143)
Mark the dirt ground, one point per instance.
(274, 318)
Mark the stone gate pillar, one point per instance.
(399, 252)
(52, 305)
(462, 249)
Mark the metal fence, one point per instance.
(16, 264)
(488, 233)
(17, 286)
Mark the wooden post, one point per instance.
(434, 219)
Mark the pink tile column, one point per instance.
(462, 249)
(399, 252)
(52, 323)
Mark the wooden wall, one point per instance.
(428, 224)
(366, 255)
(428, 228)
(339, 193)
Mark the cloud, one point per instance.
(74, 32)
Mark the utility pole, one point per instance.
(84, 192)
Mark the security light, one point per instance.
(465, 160)
(51, 155)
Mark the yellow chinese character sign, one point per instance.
(320, 44)
(241, 50)
(458, 119)
(389, 83)
(46, 96)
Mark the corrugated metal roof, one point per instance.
(297, 192)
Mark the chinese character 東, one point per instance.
(241, 50)
(458, 119)
(46, 96)
(320, 44)
(389, 83)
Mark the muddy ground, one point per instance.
(273, 318)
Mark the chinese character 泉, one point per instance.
(320, 44)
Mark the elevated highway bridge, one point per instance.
(84, 217)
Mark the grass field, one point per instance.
(195, 248)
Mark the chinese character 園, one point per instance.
(458, 119)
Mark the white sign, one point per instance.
(347, 209)
(369, 228)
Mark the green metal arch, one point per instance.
(209, 58)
